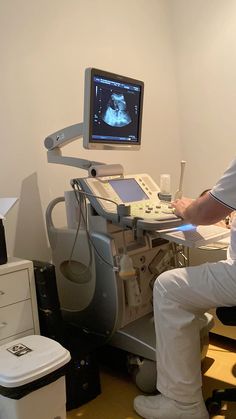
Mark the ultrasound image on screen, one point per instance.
(116, 111)
(116, 114)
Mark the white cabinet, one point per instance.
(18, 304)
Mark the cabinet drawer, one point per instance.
(15, 319)
(18, 336)
(14, 287)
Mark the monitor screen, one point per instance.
(112, 111)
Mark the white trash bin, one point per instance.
(32, 379)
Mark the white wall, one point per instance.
(45, 47)
(204, 43)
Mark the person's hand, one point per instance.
(180, 205)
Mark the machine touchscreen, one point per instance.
(128, 190)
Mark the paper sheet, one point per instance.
(5, 205)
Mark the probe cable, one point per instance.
(84, 218)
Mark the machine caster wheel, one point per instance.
(213, 406)
(143, 372)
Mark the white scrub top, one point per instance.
(225, 192)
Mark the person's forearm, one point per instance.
(196, 214)
(204, 210)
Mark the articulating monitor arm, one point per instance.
(59, 139)
(55, 156)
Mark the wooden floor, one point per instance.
(118, 390)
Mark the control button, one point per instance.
(167, 212)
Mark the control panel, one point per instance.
(139, 192)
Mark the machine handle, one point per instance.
(49, 210)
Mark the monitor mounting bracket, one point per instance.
(59, 139)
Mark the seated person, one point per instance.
(180, 297)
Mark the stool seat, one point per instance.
(227, 316)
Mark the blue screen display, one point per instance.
(128, 190)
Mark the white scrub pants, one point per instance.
(180, 297)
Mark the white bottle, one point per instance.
(128, 274)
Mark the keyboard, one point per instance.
(154, 210)
(192, 236)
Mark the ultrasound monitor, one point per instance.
(113, 106)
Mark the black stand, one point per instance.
(3, 248)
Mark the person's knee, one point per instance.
(161, 284)
(165, 284)
(164, 279)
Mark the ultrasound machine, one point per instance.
(116, 242)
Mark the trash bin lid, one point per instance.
(29, 358)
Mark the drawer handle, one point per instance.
(2, 292)
(3, 324)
